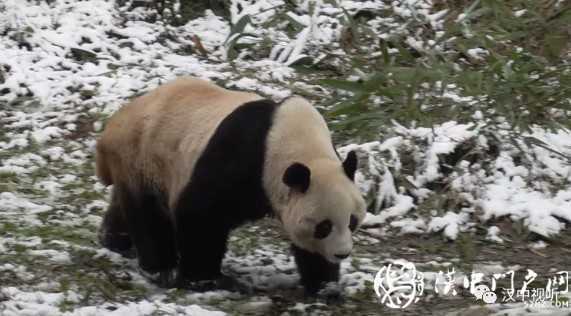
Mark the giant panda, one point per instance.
(190, 161)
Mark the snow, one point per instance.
(43, 135)
(46, 74)
(410, 226)
(58, 257)
(493, 232)
(512, 198)
(520, 13)
(538, 245)
(18, 270)
(450, 224)
(12, 204)
(477, 53)
(52, 95)
(23, 303)
(402, 205)
(22, 164)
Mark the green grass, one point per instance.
(466, 248)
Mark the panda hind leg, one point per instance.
(316, 272)
(113, 233)
(151, 231)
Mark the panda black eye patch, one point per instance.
(353, 223)
(323, 229)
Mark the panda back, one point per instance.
(157, 138)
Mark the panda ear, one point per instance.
(297, 177)
(350, 164)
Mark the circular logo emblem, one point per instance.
(398, 285)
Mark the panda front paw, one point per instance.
(330, 292)
(164, 279)
(231, 284)
(223, 282)
(198, 286)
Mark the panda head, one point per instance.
(325, 206)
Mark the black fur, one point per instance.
(350, 165)
(314, 270)
(297, 177)
(114, 234)
(150, 227)
(225, 190)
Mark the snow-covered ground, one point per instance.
(65, 66)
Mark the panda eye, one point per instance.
(353, 223)
(323, 229)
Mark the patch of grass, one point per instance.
(94, 278)
(53, 232)
(66, 305)
(366, 293)
(94, 287)
(8, 181)
(29, 190)
(466, 248)
(88, 195)
(245, 243)
(355, 263)
(176, 295)
(39, 173)
(19, 249)
(6, 228)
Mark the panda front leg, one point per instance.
(202, 239)
(151, 231)
(315, 271)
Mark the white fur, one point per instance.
(300, 134)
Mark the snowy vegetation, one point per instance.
(459, 110)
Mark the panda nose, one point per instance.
(342, 256)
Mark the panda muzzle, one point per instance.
(342, 256)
